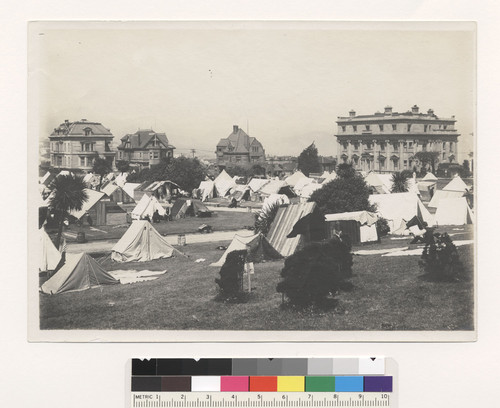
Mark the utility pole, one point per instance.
(193, 151)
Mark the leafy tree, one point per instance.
(239, 171)
(257, 170)
(102, 167)
(316, 271)
(428, 158)
(186, 172)
(122, 166)
(399, 183)
(68, 195)
(348, 192)
(308, 161)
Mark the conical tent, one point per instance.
(223, 183)
(140, 243)
(80, 272)
(257, 246)
(294, 178)
(457, 184)
(49, 255)
(430, 177)
(207, 189)
(146, 207)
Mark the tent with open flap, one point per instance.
(223, 183)
(257, 246)
(400, 206)
(140, 243)
(146, 207)
(79, 272)
(359, 226)
(49, 255)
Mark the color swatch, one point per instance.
(261, 375)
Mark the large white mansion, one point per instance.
(388, 141)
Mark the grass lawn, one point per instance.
(389, 294)
(220, 221)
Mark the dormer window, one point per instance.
(88, 131)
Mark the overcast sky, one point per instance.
(289, 85)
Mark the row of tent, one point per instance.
(258, 189)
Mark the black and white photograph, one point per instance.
(251, 181)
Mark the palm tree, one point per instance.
(399, 183)
(68, 194)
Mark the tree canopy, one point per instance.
(102, 167)
(348, 192)
(122, 166)
(399, 182)
(308, 161)
(68, 194)
(428, 158)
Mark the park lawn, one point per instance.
(389, 294)
(220, 221)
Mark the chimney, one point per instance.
(66, 121)
(430, 112)
(414, 109)
(235, 128)
(388, 110)
(352, 113)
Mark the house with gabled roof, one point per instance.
(144, 148)
(239, 149)
(75, 145)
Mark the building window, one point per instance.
(444, 156)
(395, 146)
(87, 147)
(382, 147)
(120, 155)
(405, 163)
(368, 145)
(381, 127)
(451, 147)
(238, 159)
(354, 128)
(405, 145)
(445, 126)
(345, 144)
(356, 145)
(343, 128)
(394, 127)
(444, 145)
(425, 128)
(409, 126)
(410, 144)
(367, 127)
(88, 131)
(155, 155)
(82, 161)
(424, 147)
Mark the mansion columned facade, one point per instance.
(390, 140)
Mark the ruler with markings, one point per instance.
(263, 383)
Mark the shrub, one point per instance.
(382, 227)
(440, 259)
(231, 276)
(315, 272)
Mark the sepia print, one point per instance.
(239, 181)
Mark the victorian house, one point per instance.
(239, 149)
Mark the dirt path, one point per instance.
(106, 245)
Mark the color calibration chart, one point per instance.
(263, 382)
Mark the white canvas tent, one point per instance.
(121, 179)
(429, 177)
(109, 188)
(454, 211)
(80, 272)
(207, 189)
(300, 184)
(273, 187)
(140, 243)
(327, 177)
(49, 255)
(294, 178)
(129, 189)
(396, 207)
(92, 199)
(367, 223)
(257, 246)
(382, 184)
(306, 192)
(256, 184)
(457, 184)
(442, 194)
(223, 183)
(146, 207)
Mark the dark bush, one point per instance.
(440, 259)
(315, 272)
(382, 227)
(231, 276)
